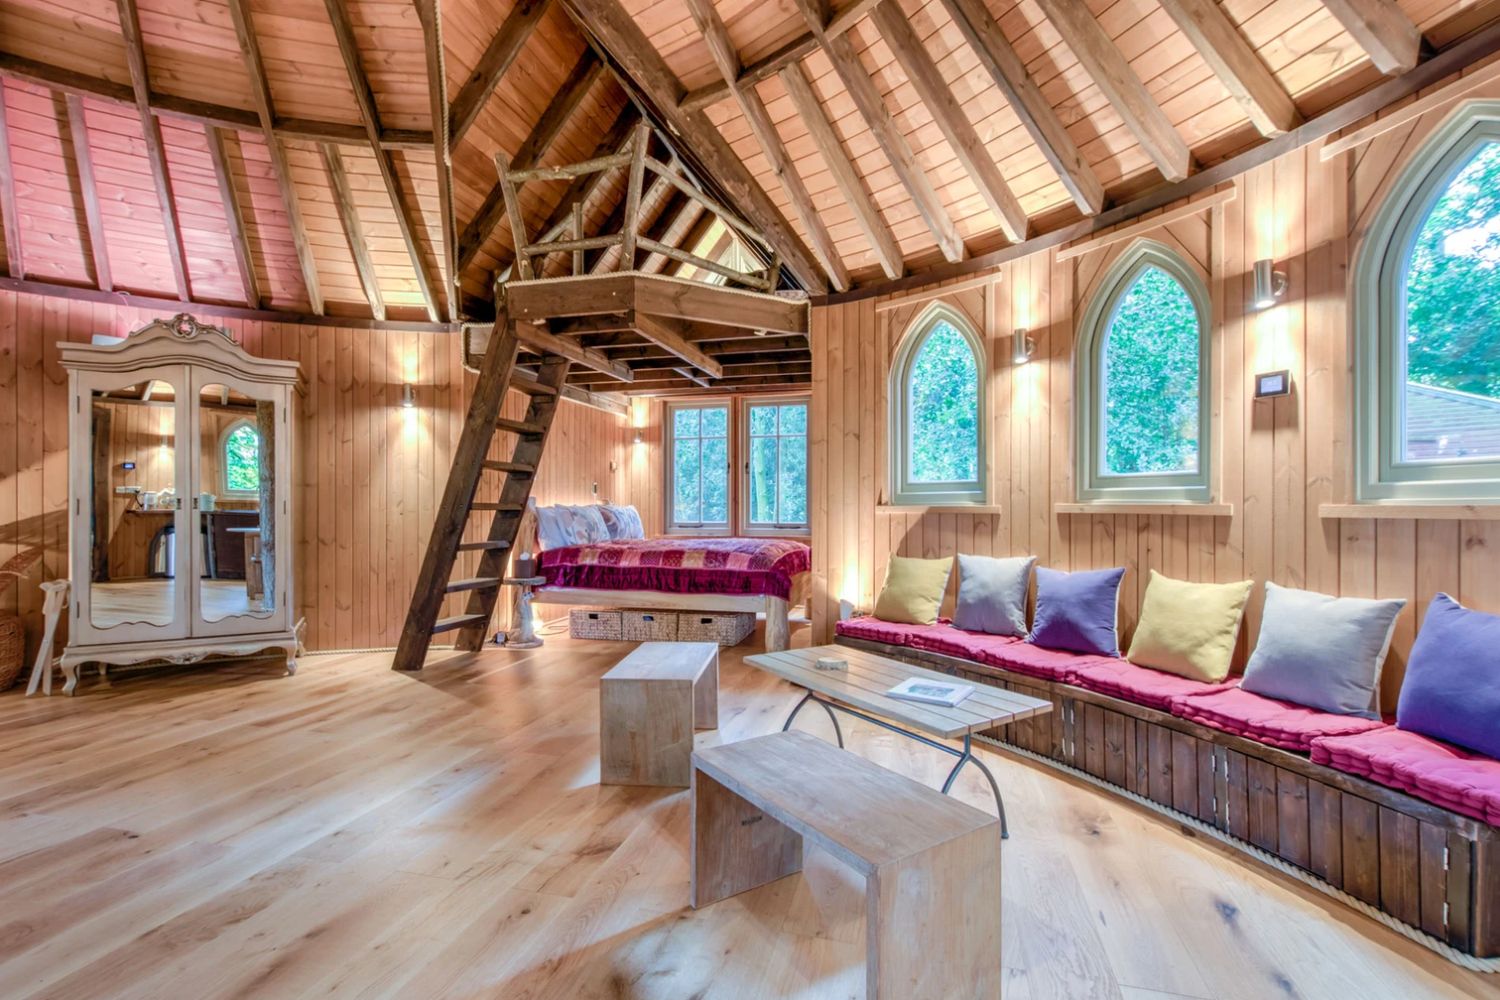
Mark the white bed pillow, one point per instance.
(553, 528)
(623, 521)
(588, 527)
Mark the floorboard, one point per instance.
(353, 832)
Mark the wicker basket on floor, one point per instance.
(727, 628)
(649, 626)
(12, 650)
(584, 623)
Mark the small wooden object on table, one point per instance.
(649, 704)
(931, 863)
(860, 691)
(525, 637)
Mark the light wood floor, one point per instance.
(353, 832)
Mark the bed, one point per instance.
(758, 575)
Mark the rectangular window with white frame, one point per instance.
(698, 471)
(775, 464)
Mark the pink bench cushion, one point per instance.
(1004, 652)
(1142, 685)
(1266, 720)
(1438, 772)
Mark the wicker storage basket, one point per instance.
(12, 650)
(727, 628)
(584, 623)
(649, 626)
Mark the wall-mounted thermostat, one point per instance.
(1268, 384)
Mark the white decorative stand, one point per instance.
(525, 624)
(41, 670)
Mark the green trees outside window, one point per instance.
(937, 399)
(778, 464)
(1151, 379)
(242, 460)
(700, 466)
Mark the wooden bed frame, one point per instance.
(776, 610)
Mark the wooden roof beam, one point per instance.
(234, 215)
(83, 158)
(260, 92)
(898, 152)
(1382, 29)
(664, 337)
(442, 148)
(711, 26)
(1249, 81)
(15, 258)
(773, 63)
(645, 71)
(156, 150)
(538, 339)
(359, 249)
(980, 29)
(1110, 71)
(962, 137)
(847, 179)
(364, 96)
(498, 56)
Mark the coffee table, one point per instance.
(860, 692)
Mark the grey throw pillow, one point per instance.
(992, 594)
(1320, 651)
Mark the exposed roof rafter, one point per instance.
(354, 235)
(234, 215)
(15, 257)
(1382, 29)
(83, 159)
(1249, 81)
(498, 56)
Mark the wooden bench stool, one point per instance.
(931, 863)
(649, 704)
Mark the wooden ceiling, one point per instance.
(286, 154)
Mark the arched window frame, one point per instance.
(1168, 487)
(1382, 473)
(903, 490)
(224, 458)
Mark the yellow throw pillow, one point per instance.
(1189, 629)
(913, 590)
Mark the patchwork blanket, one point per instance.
(753, 566)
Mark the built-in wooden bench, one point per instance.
(1433, 869)
(931, 863)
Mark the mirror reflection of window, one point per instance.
(242, 459)
(234, 580)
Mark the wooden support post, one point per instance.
(578, 235)
(633, 186)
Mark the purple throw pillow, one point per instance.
(1451, 691)
(1077, 611)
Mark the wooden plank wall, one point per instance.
(369, 472)
(1275, 461)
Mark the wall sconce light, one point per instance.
(1269, 285)
(408, 397)
(1021, 347)
(640, 438)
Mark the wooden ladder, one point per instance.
(497, 374)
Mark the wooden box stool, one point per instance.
(931, 863)
(649, 704)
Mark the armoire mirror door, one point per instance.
(138, 568)
(235, 495)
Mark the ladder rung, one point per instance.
(457, 622)
(531, 386)
(473, 583)
(486, 505)
(485, 546)
(520, 427)
(519, 468)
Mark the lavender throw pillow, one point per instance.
(1451, 691)
(1078, 611)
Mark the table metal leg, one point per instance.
(837, 732)
(967, 757)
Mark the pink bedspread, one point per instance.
(755, 566)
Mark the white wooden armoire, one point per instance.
(179, 491)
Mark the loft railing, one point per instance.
(568, 237)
